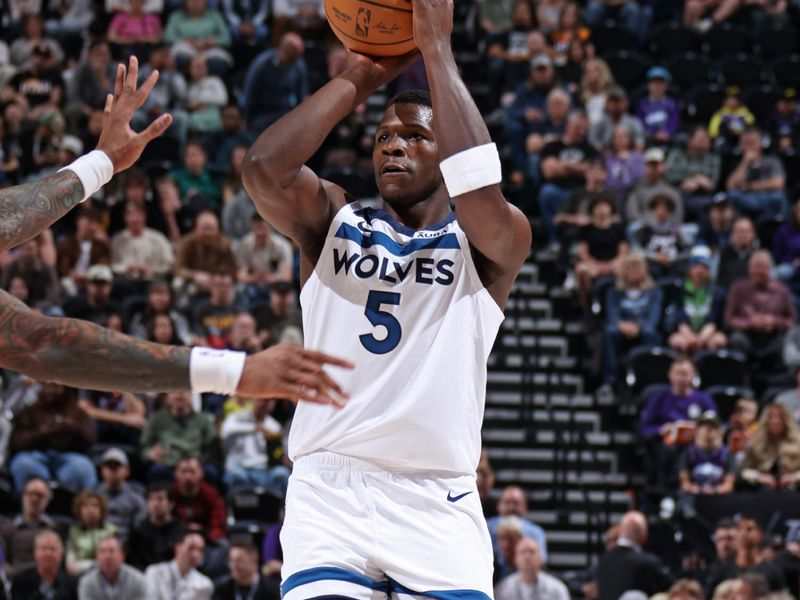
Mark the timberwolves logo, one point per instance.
(362, 22)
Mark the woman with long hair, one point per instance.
(773, 458)
(595, 83)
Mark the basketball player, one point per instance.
(383, 502)
(81, 354)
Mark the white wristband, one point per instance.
(217, 371)
(471, 169)
(94, 170)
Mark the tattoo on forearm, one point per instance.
(82, 354)
(27, 210)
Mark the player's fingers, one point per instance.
(322, 358)
(133, 74)
(109, 104)
(316, 370)
(315, 391)
(156, 128)
(118, 82)
(298, 391)
(143, 92)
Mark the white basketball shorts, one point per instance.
(361, 531)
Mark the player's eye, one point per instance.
(382, 137)
(415, 137)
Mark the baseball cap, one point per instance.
(114, 455)
(72, 144)
(654, 155)
(733, 91)
(708, 417)
(100, 273)
(719, 199)
(789, 93)
(700, 255)
(658, 73)
(617, 93)
(541, 60)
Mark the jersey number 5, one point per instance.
(377, 317)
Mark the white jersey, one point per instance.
(409, 310)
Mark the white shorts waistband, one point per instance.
(331, 461)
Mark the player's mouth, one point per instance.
(394, 169)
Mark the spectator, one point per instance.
(633, 16)
(232, 184)
(495, 16)
(570, 74)
(195, 30)
(90, 511)
(759, 310)
(685, 589)
(749, 538)
(135, 189)
(725, 550)
(32, 37)
(285, 67)
(198, 506)
(134, 30)
(624, 163)
(790, 399)
(633, 311)
(564, 164)
(126, 582)
(508, 52)
(513, 503)
(238, 211)
(485, 482)
(159, 301)
(118, 416)
(695, 171)
(575, 213)
(203, 252)
(263, 256)
(46, 579)
(124, 501)
(601, 247)
(226, 139)
(530, 580)
(96, 304)
(243, 336)
(706, 466)
(528, 110)
(39, 277)
(548, 130)
(179, 579)
(198, 187)
(772, 459)
(49, 439)
(245, 581)
(735, 257)
(509, 534)
(175, 431)
(628, 567)
(214, 317)
(281, 320)
(597, 80)
(637, 206)
(246, 436)
(696, 318)
(162, 330)
(570, 29)
(716, 228)
(151, 539)
(742, 426)
(206, 97)
(661, 239)
(703, 15)
(750, 586)
(756, 185)
(139, 253)
(87, 246)
(786, 247)
(731, 120)
(94, 78)
(18, 534)
(616, 115)
(248, 25)
(658, 111)
(784, 126)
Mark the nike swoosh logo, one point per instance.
(451, 498)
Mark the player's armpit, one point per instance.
(82, 354)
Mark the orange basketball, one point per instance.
(373, 27)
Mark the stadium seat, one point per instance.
(61, 502)
(671, 39)
(689, 69)
(766, 228)
(791, 164)
(9, 504)
(721, 368)
(647, 366)
(703, 101)
(776, 43)
(726, 397)
(628, 68)
(761, 101)
(726, 39)
(786, 70)
(743, 70)
(254, 505)
(610, 36)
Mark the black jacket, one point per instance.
(623, 568)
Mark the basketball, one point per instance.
(372, 27)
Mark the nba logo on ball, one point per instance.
(374, 27)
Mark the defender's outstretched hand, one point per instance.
(123, 145)
(433, 23)
(288, 371)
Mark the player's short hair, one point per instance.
(411, 97)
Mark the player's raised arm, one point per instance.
(81, 354)
(498, 230)
(286, 192)
(27, 210)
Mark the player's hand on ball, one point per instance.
(123, 145)
(383, 70)
(289, 371)
(433, 23)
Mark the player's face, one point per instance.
(406, 156)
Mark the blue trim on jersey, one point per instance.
(378, 238)
(440, 595)
(369, 213)
(331, 574)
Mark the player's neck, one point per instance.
(422, 214)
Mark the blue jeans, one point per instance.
(613, 342)
(72, 470)
(759, 204)
(274, 479)
(634, 17)
(551, 197)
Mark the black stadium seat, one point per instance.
(647, 366)
(669, 40)
(776, 43)
(726, 39)
(765, 230)
(761, 101)
(743, 70)
(726, 397)
(689, 70)
(629, 68)
(703, 101)
(786, 70)
(721, 367)
(610, 36)
(254, 505)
